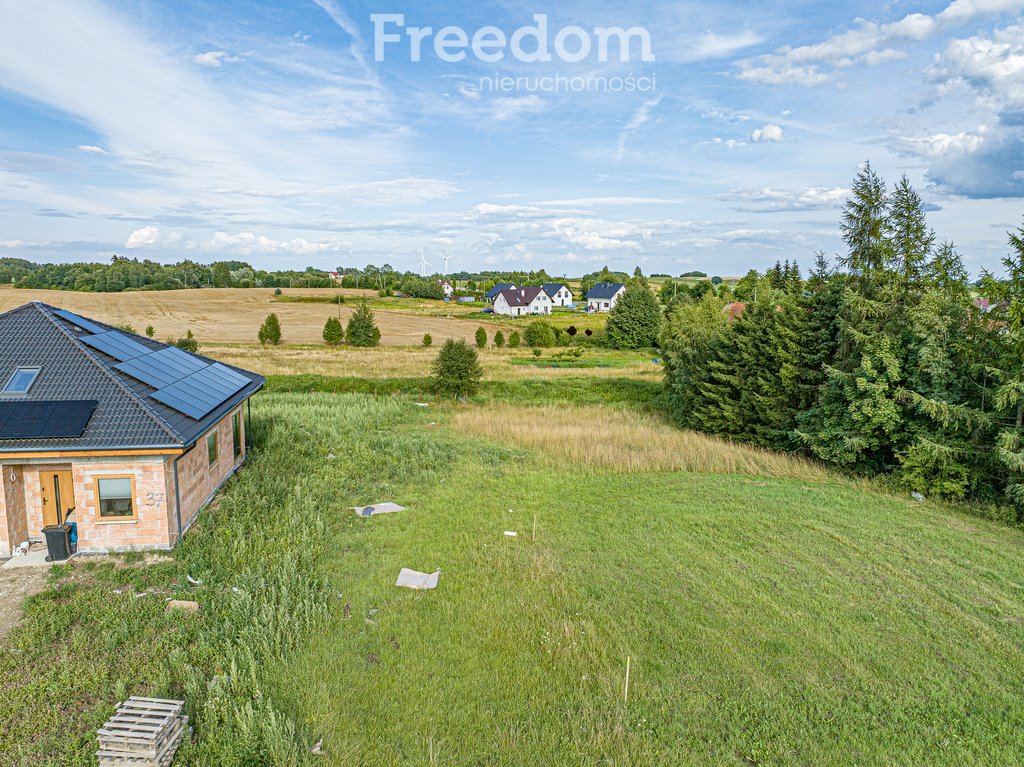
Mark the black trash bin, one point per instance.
(58, 547)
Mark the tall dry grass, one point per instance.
(407, 362)
(625, 441)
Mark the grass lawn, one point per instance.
(772, 615)
(768, 621)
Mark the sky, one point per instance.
(316, 132)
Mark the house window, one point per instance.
(21, 381)
(115, 497)
(211, 448)
(236, 434)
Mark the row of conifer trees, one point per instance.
(881, 363)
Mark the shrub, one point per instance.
(456, 369)
(333, 332)
(126, 326)
(634, 321)
(536, 352)
(427, 339)
(150, 331)
(481, 338)
(561, 339)
(539, 333)
(588, 332)
(362, 329)
(270, 330)
(499, 339)
(571, 330)
(278, 291)
(188, 343)
(513, 339)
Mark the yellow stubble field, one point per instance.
(234, 315)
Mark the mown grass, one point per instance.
(767, 622)
(782, 619)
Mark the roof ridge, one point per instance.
(90, 355)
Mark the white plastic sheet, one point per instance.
(377, 508)
(414, 579)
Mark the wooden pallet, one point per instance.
(143, 732)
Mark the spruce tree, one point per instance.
(362, 328)
(333, 333)
(270, 330)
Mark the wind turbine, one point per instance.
(423, 264)
(445, 256)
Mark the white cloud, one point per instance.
(964, 10)
(92, 149)
(468, 91)
(942, 144)
(589, 201)
(212, 59)
(639, 118)
(979, 162)
(508, 108)
(11, 243)
(716, 46)
(150, 237)
(770, 132)
(769, 199)
(865, 44)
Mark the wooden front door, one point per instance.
(58, 494)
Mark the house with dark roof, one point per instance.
(558, 293)
(516, 302)
(447, 288)
(492, 294)
(604, 295)
(124, 436)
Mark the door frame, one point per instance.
(56, 486)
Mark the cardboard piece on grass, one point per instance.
(413, 579)
(183, 604)
(377, 508)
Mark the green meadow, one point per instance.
(792, 619)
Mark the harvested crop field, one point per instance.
(234, 315)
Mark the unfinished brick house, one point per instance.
(123, 435)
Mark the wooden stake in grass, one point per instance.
(625, 693)
(534, 528)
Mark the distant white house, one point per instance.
(516, 302)
(447, 287)
(558, 293)
(492, 294)
(604, 295)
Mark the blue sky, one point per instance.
(267, 131)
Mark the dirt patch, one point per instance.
(15, 585)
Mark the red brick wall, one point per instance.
(197, 479)
(149, 528)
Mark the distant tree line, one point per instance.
(882, 364)
(131, 274)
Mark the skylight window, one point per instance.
(20, 381)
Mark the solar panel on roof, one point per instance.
(117, 345)
(201, 392)
(81, 322)
(162, 368)
(45, 419)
